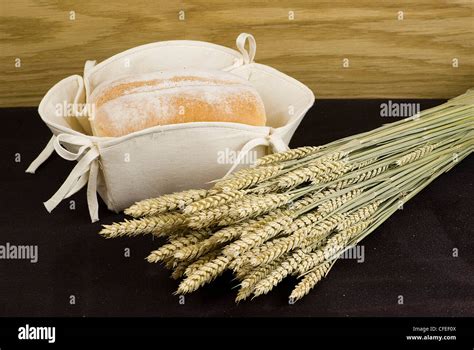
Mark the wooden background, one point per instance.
(388, 57)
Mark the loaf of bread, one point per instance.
(141, 101)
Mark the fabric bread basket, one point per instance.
(167, 158)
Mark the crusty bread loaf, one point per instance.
(175, 96)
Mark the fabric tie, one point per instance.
(273, 140)
(85, 171)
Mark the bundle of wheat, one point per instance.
(296, 212)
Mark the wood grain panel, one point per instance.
(388, 57)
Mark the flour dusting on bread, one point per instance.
(169, 97)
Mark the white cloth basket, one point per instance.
(168, 158)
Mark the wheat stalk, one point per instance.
(170, 202)
(303, 222)
(292, 154)
(229, 233)
(264, 187)
(256, 224)
(277, 275)
(329, 177)
(255, 206)
(170, 263)
(415, 155)
(248, 283)
(207, 218)
(363, 164)
(242, 262)
(222, 236)
(312, 171)
(203, 274)
(201, 261)
(309, 199)
(308, 282)
(334, 244)
(158, 225)
(337, 202)
(194, 251)
(299, 238)
(254, 275)
(359, 215)
(268, 231)
(179, 270)
(370, 174)
(213, 201)
(230, 213)
(248, 178)
(175, 244)
(288, 264)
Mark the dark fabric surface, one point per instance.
(410, 255)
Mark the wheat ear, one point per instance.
(337, 202)
(333, 246)
(300, 238)
(254, 206)
(170, 263)
(164, 203)
(203, 274)
(195, 265)
(242, 262)
(363, 164)
(220, 215)
(311, 172)
(361, 177)
(291, 154)
(197, 250)
(194, 251)
(158, 225)
(207, 218)
(283, 269)
(179, 269)
(213, 201)
(248, 178)
(268, 231)
(415, 155)
(248, 283)
(309, 199)
(220, 237)
(308, 282)
(229, 233)
(177, 243)
(358, 216)
(260, 221)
